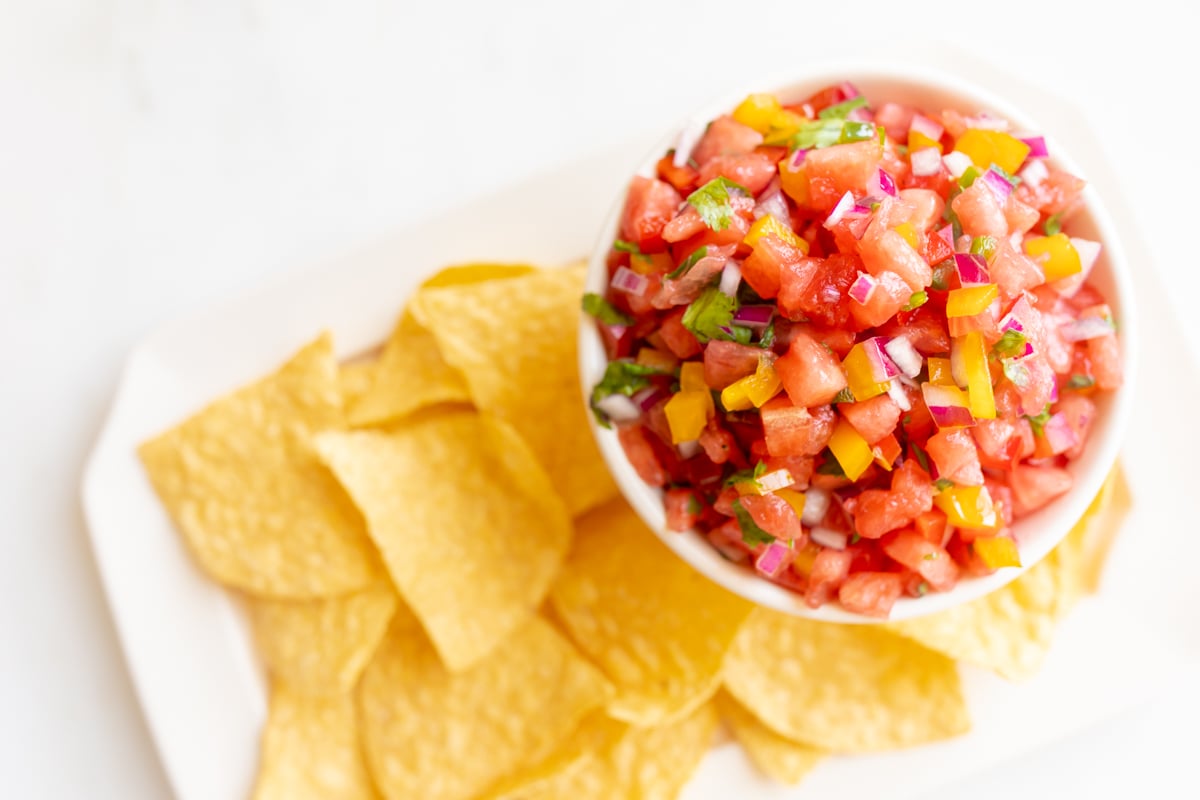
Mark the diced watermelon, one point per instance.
(649, 206)
(1019, 217)
(979, 212)
(773, 514)
(684, 179)
(725, 136)
(679, 340)
(810, 374)
(764, 267)
(924, 327)
(752, 170)
(890, 252)
(927, 206)
(830, 568)
(816, 289)
(917, 553)
(1014, 272)
(953, 451)
(795, 430)
(726, 362)
(641, 455)
(1079, 411)
(878, 511)
(683, 509)
(889, 296)
(871, 594)
(833, 171)
(1034, 487)
(874, 418)
(931, 525)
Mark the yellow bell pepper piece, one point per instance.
(651, 263)
(968, 507)
(802, 562)
(770, 225)
(981, 400)
(687, 414)
(851, 450)
(970, 300)
(985, 148)
(997, 551)
(919, 141)
(905, 229)
(794, 499)
(794, 182)
(1056, 254)
(859, 376)
(757, 111)
(691, 377)
(784, 125)
(752, 390)
(657, 359)
(940, 373)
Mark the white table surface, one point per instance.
(158, 155)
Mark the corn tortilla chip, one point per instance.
(514, 343)
(411, 373)
(635, 763)
(321, 646)
(356, 378)
(843, 688)
(467, 523)
(777, 757)
(438, 735)
(657, 628)
(254, 504)
(1085, 549)
(310, 750)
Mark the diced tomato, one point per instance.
(682, 343)
(641, 455)
(764, 267)
(829, 569)
(726, 362)
(871, 594)
(833, 171)
(953, 451)
(649, 206)
(1034, 487)
(725, 136)
(752, 170)
(684, 178)
(683, 509)
(917, 553)
(810, 374)
(874, 418)
(795, 430)
(965, 556)
(773, 514)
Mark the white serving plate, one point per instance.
(197, 678)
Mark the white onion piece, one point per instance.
(775, 205)
(926, 161)
(816, 503)
(828, 537)
(926, 127)
(1089, 252)
(689, 137)
(688, 449)
(904, 356)
(1080, 330)
(731, 278)
(778, 479)
(956, 162)
(619, 408)
(1034, 173)
(899, 396)
(843, 207)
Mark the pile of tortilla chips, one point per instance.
(453, 603)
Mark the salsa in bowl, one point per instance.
(859, 346)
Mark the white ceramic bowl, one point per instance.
(1038, 533)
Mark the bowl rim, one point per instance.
(1105, 438)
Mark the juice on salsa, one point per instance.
(853, 341)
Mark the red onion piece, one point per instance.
(619, 408)
(863, 287)
(882, 368)
(998, 185)
(648, 398)
(754, 316)
(840, 210)
(951, 416)
(947, 235)
(628, 281)
(926, 161)
(886, 184)
(774, 558)
(972, 269)
(816, 503)
(1080, 330)
(849, 91)
(798, 158)
(828, 537)
(731, 277)
(1037, 146)
(926, 127)
(904, 356)
(1059, 434)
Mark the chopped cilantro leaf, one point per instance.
(712, 202)
(941, 275)
(710, 316)
(767, 340)
(842, 110)
(604, 311)
(844, 396)
(922, 589)
(967, 178)
(1053, 224)
(922, 459)
(830, 466)
(1011, 344)
(741, 475)
(907, 420)
(760, 469)
(1081, 382)
(818, 133)
(620, 377)
(984, 246)
(942, 484)
(917, 300)
(856, 132)
(736, 333)
(623, 246)
(855, 538)
(694, 507)
(930, 556)
(751, 533)
(689, 262)
(1039, 421)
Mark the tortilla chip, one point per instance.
(256, 507)
(356, 379)
(1085, 549)
(635, 763)
(843, 688)
(467, 523)
(514, 342)
(777, 757)
(321, 646)
(657, 628)
(438, 735)
(412, 373)
(536, 779)
(310, 750)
